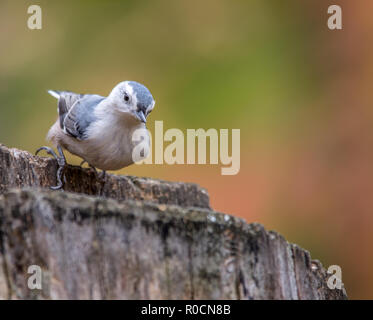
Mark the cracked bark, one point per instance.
(146, 243)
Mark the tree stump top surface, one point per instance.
(21, 169)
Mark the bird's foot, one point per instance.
(93, 169)
(61, 161)
(100, 176)
(83, 162)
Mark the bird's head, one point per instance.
(134, 98)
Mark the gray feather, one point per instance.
(62, 110)
(143, 94)
(76, 112)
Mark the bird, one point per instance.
(100, 129)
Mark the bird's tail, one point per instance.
(54, 93)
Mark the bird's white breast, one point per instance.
(110, 144)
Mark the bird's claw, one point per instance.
(100, 176)
(48, 150)
(61, 160)
(83, 162)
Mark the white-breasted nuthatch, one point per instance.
(99, 129)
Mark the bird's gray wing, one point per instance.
(76, 111)
(66, 101)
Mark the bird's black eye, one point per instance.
(126, 97)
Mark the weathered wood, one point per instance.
(159, 241)
(99, 248)
(20, 169)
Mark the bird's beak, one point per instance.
(141, 116)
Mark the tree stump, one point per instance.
(137, 238)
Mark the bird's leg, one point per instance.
(102, 174)
(83, 162)
(94, 169)
(61, 160)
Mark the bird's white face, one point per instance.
(134, 98)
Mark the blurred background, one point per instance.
(300, 93)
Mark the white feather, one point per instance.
(54, 94)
